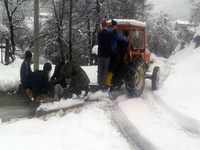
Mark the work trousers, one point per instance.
(103, 64)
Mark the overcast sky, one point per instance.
(177, 9)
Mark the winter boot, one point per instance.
(109, 79)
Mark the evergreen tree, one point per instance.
(14, 19)
(161, 39)
(195, 12)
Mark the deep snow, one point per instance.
(168, 118)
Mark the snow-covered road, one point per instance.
(133, 136)
(188, 123)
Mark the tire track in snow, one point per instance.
(135, 139)
(186, 122)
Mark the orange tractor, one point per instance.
(133, 59)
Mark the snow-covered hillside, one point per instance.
(168, 118)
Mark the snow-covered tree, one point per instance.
(195, 12)
(191, 32)
(129, 9)
(54, 27)
(15, 14)
(53, 41)
(161, 39)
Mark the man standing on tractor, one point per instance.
(113, 29)
(104, 53)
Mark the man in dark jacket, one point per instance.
(25, 74)
(79, 80)
(104, 53)
(58, 75)
(43, 90)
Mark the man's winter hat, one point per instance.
(47, 66)
(114, 23)
(104, 24)
(28, 55)
(57, 59)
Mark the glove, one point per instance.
(29, 93)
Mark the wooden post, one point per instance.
(1, 51)
(36, 35)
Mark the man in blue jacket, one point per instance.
(119, 37)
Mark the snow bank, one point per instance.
(88, 130)
(181, 88)
(91, 71)
(59, 105)
(10, 76)
(95, 50)
(128, 22)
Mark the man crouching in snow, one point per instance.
(43, 90)
(79, 80)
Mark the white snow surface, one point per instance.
(95, 50)
(87, 130)
(168, 118)
(61, 104)
(10, 75)
(129, 22)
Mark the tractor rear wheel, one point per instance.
(135, 78)
(155, 78)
